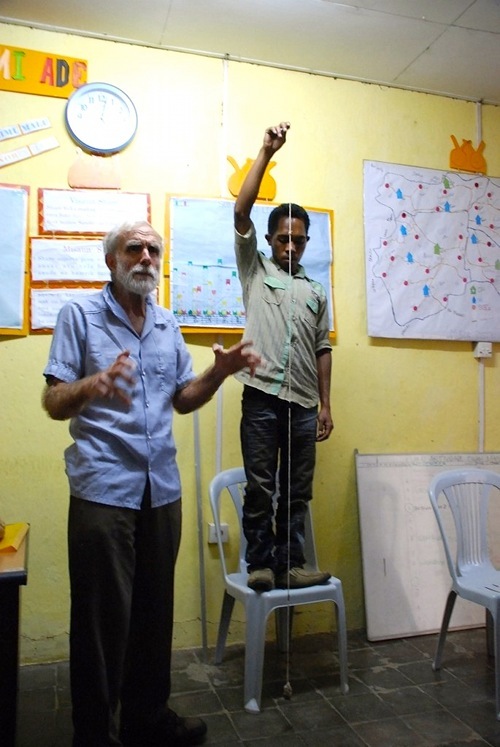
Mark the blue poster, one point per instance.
(13, 229)
(204, 287)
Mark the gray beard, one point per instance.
(139, 285)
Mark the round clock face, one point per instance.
(101, 118)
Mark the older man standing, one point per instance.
(118, 367)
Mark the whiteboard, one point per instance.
(406, 579)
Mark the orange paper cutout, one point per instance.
(467, 158)
(94, 172)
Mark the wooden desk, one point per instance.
(13, 574)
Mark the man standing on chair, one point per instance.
(287, 318)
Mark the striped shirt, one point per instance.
(287, 320)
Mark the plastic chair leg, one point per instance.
(225, 619)
(450, 603)
(284, 622)
(490, 634)
(255, 636)
(496, 634)
(342, 643)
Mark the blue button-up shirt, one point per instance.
(116, 448)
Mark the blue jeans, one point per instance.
(276, 435)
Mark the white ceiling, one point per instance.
(447, 47)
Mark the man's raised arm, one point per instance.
(274, 138)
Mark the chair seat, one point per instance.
(479, 585)
(237, 583)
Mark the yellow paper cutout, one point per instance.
(467, 158)
(267, 189)
(14, 535)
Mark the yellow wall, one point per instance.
(388, 396)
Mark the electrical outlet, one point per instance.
(212, 536)
(482, 350)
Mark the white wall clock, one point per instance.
(101, 118)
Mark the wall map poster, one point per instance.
(432, 244)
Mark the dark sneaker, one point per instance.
(170, 731)
(262, 579)
(299, 578)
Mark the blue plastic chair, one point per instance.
(469, 494)
(258, 605)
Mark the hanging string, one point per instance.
(287, 689)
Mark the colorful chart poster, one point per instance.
(205, 290)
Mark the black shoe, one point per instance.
(169, 731)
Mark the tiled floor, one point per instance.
(395, 698)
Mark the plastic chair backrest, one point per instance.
(234, 481)
(468, 494)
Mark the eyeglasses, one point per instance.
(298, 241)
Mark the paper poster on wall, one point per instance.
(68, 260)
(13, 229)
(432, 243)
(46, 304)
(89, 211)
(205, 291)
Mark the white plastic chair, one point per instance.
(258, 605)
(469, 494)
